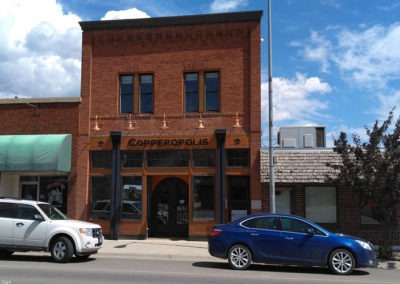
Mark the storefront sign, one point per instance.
(167, 142)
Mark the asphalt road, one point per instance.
(24, 268)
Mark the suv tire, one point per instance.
(62, 250)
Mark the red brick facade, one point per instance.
(168, 48)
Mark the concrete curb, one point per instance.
(165, 249)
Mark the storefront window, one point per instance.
(100, 192)
(238, 158)
(54, 191)
(239, 196)
(101, 159)
(203, 158)
(132, 159)
(283, 200)
(321, 204)
(131, 198)
(203, 198)
(51, 189)
(167, 158)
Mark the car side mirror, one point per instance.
(38, 217)
(311, 231)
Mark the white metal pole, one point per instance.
(271, 124)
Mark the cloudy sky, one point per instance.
(336, 63)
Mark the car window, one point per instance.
(294, 225)
(52, 212)
(7, 210)
(25, 211)
(266, 223)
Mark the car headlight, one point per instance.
(364, 245)
(86, 232)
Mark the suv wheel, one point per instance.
(62, 250)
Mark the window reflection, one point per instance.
(131, 198)
(203, 198)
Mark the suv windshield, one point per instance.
(52, 212)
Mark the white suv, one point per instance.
(27, 225)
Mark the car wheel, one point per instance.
(342, 262)
(62, 250)
(239, 257)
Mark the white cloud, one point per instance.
(125, 14)
(219, 6)
(386, 103)
(295, 101)
(367, 58)
(318, 50)
(40, 51)
(350, 132)
(371, 57)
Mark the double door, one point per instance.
(170, 209)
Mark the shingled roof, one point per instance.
(299, 166)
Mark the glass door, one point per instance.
(29, 190)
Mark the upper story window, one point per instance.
(201, 91)
(136, 93)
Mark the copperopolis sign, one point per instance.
(168, 142)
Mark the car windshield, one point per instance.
(52, 212)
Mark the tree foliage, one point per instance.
(372, 168)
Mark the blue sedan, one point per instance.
(288, 239)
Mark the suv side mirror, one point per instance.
(38, 217)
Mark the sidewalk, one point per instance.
(155, 248)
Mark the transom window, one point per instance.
(201, 91)
(238, 158)
(136, 93)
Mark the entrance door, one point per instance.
(29, 190)
(169, 209)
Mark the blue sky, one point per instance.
(336, 63)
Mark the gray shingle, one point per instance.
(299, 166)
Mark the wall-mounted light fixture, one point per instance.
(130, 123)
(164, 123)
(201, 125)
(96, 125)
(237, 121)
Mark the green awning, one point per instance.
(35, 152)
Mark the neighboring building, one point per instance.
(300, 175)
(169, 130)
(38, 139)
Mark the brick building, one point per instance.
(38, 138)
(301, 188)
(169, 125)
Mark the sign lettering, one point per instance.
(167, 142)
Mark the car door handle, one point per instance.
(254, 234)
(288, 238)
(20, 224)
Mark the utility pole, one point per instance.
(271, 120)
